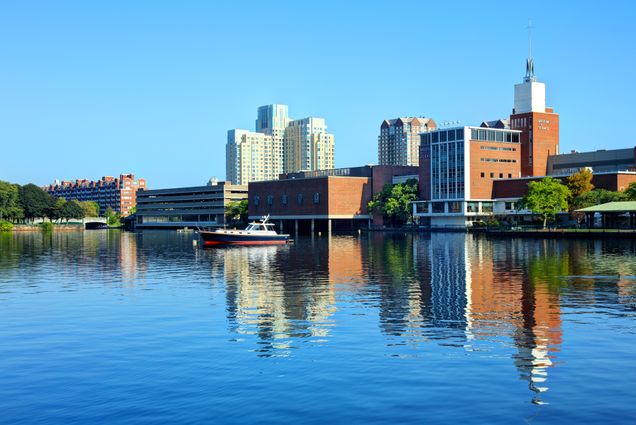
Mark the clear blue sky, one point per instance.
(99, 88)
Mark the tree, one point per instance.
(236, 211)
(579, 183)
(546, 198)
(630, 192)
(54, 211)
(597, 197)
(91, 208)
(112, 218)
(10, 201)
(72, 209)
(394, 201)
(34, 201)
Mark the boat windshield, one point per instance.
(256, 226)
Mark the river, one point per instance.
(114, 327)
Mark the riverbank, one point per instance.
(563, 233)
(56, 228)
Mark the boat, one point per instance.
(256, 233)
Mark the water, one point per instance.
(113, 327)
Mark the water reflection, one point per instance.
(464, 293)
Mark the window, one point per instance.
(509, 175)
(270, 199)
(460, 134)
(501, 175)
(442, 136)
(455, 207)
(451, 135)
(257, 200)
(284, 200)
(316, 198)
(472, 207)
(299, 198)
(492, 175)
(473, 134)
(486, 207)
(509, 206)
(483, 174)
(438, 207)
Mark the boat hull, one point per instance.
(214, 238)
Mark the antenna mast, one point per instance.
(530, 61)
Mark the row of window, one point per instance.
(498, 148)
(284, 199)
(492, 175)
(498, 160)
(442, 136)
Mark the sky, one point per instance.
(98, 88)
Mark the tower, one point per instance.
(539, 125)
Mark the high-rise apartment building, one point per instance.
(120, 194)
(308, 146)
(279, 145)
(399, 140)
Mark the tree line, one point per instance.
(24, 204)
(550, 196)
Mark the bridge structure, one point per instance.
(94, 222)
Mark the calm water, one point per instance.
(113, 327)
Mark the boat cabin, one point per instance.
(260, 227)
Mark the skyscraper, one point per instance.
(279, 145)
(399, 140)
(308, 146)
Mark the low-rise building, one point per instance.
(117, 193)
(604, 160)
(322, 200)
(199, 206)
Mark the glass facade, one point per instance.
(447, 163)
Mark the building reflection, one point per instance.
(456, 290)
(461, 290)
(282, 294)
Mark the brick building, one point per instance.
(458, 166)
(120, 194)
(322, 200)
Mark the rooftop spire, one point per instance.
(530, 61)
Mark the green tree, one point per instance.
(10, 201)
(54, 211)
(579, 183)
(630, 192)
(112, 218)
(596, 197)
(546, 198)
(394, 201)
(72, 209)
(91, 208)
(5, 226)
(34, 201)
(236, 212)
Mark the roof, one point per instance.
(618, 207)
(503, 123)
